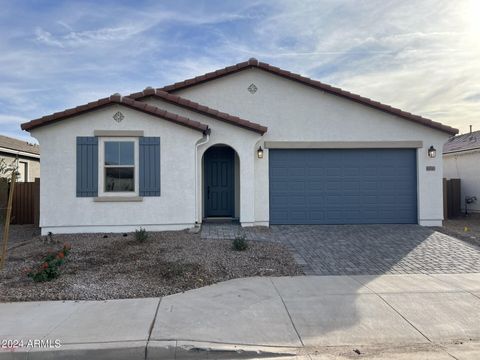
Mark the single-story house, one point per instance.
(250, 142)
(461, 159)
(22, 154)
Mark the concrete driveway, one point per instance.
(364, 249)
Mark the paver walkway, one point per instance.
(363, 249)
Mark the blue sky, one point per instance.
(421, 56)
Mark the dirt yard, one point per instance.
(466, 228)
(118, 266)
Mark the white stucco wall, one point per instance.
(242, 141)
(295, 112)
(465, 166)
(292, 112)
(62, 212)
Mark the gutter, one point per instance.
(205, 139)
(462, 152)
(19, 153)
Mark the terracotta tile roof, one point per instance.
(18, 145)
(116, 99)
(205, 110)
(254, 63)
(464, 142)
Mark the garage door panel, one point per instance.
(280, 171)
(317, 185)
(351, 186)
(370, 200)
(314, 171)
(317, 215)
(334, 216)
(343, 186)
(368, 171)
(316, 200)
(351, 171)
(368, 184)
(281, 216)
(286, 201)
(385, 200)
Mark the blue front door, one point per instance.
(219, 193)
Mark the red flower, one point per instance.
(45, 265)
(60, 255)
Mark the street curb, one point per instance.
(129, 350)
(179, 350)
(153, 350)
(169, 350)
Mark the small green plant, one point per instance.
(141, 235)
(240, 243)
(50, 267)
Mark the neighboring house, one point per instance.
(27, 155)
(461, 160)
(251, 142)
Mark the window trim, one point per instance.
(102, 167)
(25, 170)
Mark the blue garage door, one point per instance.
(343, 186)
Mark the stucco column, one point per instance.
(430, 198)
(261, 187)
(247, 188)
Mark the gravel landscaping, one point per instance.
(466, 228)
(115, 266)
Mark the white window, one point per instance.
(118, 166)
(22, 171)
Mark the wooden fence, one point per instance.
(451, 198)
(26, 203)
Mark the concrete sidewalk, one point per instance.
(311, 317)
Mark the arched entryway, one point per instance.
(220, 182)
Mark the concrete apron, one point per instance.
(322, 317)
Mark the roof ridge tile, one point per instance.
(252, 62)
(194, 106)
(114, 99)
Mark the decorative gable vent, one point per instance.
(252, 88)
(118, 116)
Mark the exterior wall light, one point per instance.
(432, 152)
(260, 152)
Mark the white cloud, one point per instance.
(47, 38)
(6, 119)
(88, 37)
(419, 56)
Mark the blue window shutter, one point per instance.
(87, 166)
(149, 166)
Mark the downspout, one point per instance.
(205, 139)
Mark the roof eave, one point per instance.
(254, 63)
(461, 151)
(201, 109)
(114, 100)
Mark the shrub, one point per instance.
(49, 269)
(240, 243)
(141, 235)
